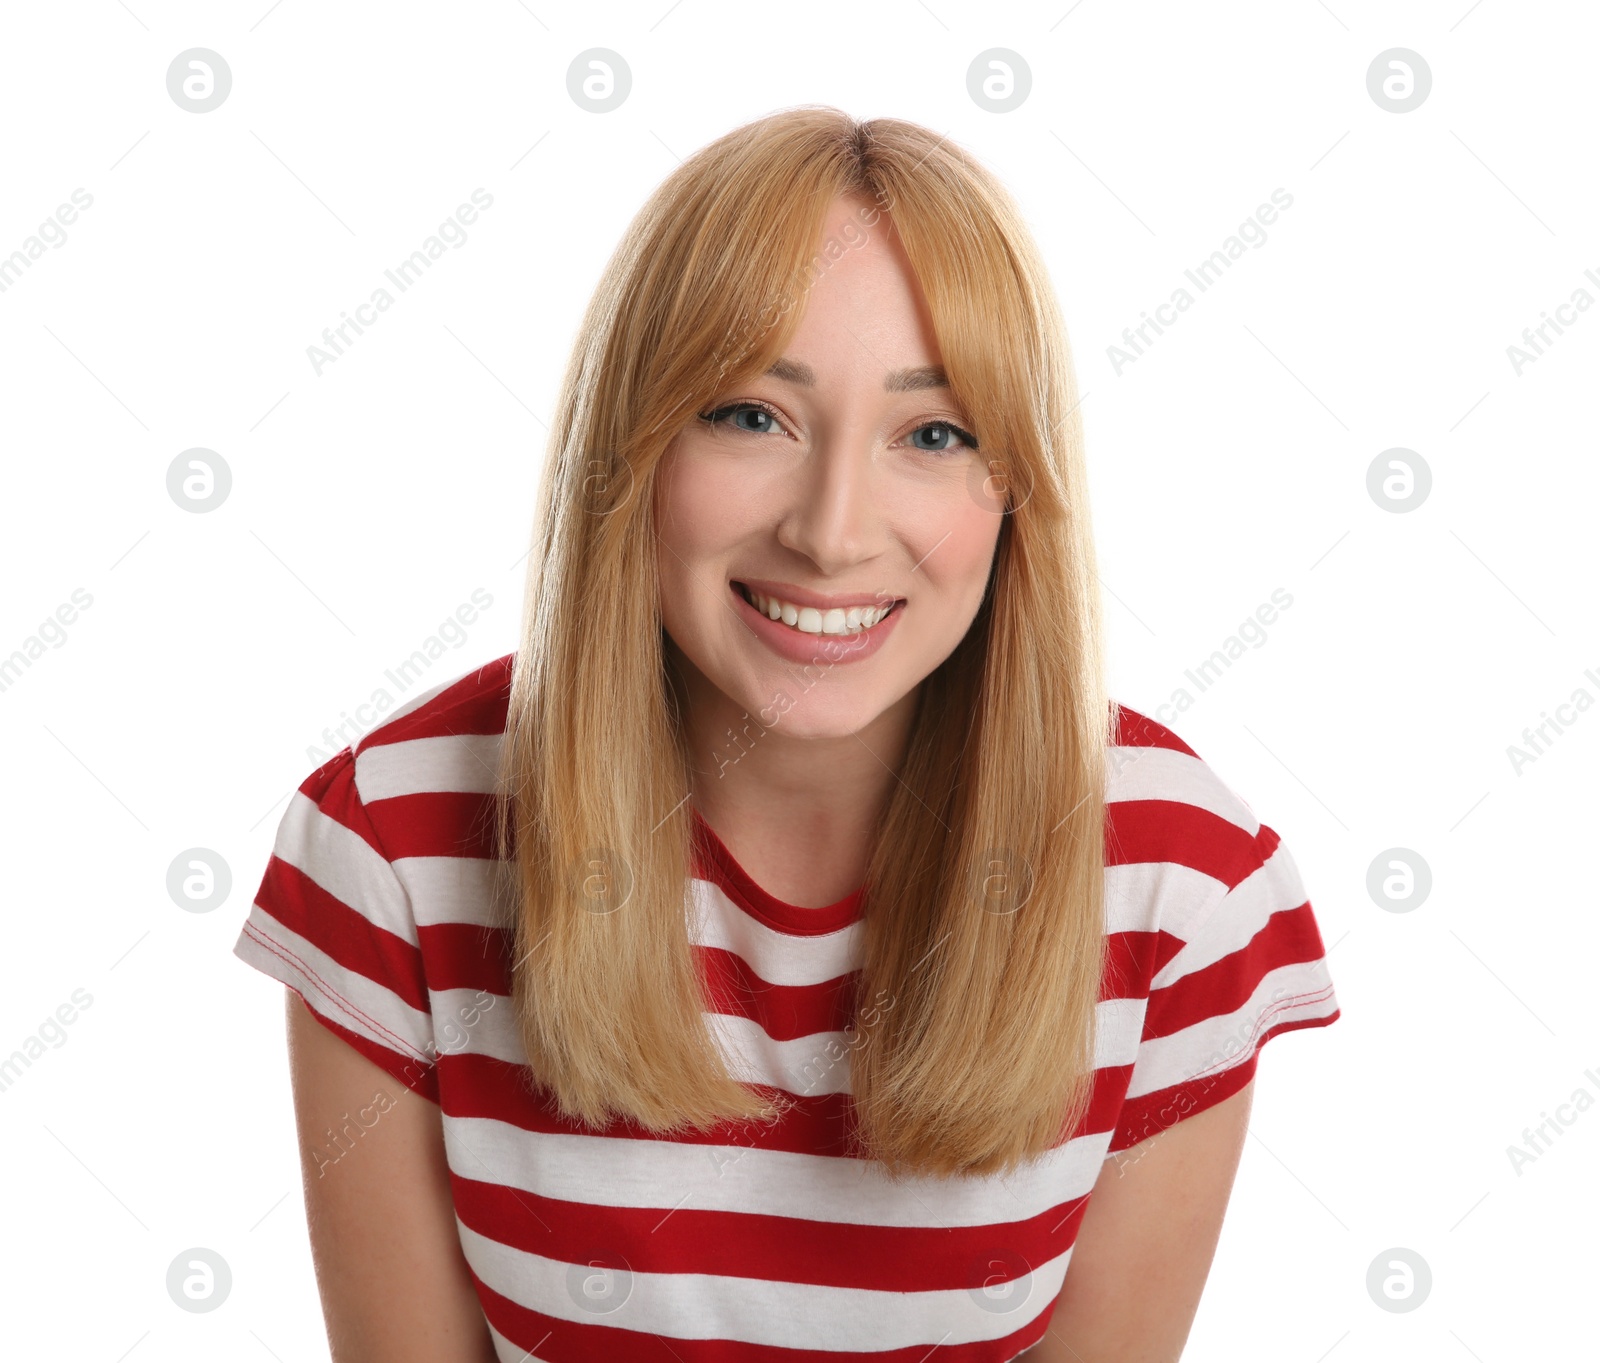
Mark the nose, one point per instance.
(834, 516)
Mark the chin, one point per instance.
(807, 715)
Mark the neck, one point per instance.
(795, 807)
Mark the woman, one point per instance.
(797, 947)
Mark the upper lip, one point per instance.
(800, 596)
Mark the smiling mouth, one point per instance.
(834, 623)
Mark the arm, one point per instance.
(393, 1281)
(1146, 1243)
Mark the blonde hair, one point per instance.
(983, 934)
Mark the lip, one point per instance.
(797, 647)
(799, 596)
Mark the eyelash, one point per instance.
(716, 415)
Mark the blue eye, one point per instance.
(764, 421)
(944, 429)
(720, 415)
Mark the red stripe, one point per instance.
(1135, 730)
(597, 1339)
(1289, 937)
(436, 823)
(784, 1012)
(466, 956)
(668, 1238)
(292, 898)
(713, 861)
(473, 704)
(1150, 1113)
(1153, 832)
(745, 1244)
(483, 1086)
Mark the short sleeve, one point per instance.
(333, 922)
(1251, 967)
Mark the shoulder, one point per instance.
(1178, 837)
(413, 801)
(434, 757)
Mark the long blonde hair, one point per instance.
(983, 934)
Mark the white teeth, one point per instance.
(809, 620)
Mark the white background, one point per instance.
(1229, 460)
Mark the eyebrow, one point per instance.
(895, 381)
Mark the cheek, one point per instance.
(696, 522)
(965, 555)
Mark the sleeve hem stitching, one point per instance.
(271, 944)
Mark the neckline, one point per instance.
(717, 864)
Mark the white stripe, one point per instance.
(1119, 1023)
(1220, 1042)
(344, 864)
(467, 890)
(1143, 896)
(618, 1171)
(699, 1306)
(507, 1352)
(504, 1350)
(348, 998)
(777, 957)
(819, 1063)
(448, 762)
(813, 1065)
(1231, 921)
(1134, 773)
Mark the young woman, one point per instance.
(791, 946)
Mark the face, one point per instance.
(838, 486)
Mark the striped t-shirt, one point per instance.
(376, 907)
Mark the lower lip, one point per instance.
(799, 647)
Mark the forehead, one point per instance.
(863, 303)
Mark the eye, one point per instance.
(943, 432)
(765, 418)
